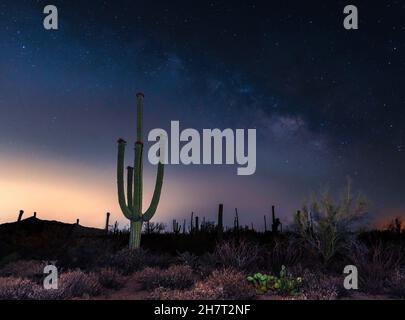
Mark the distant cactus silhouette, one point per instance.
(220, 227)
(197, 224)
(132, 206)
(236, 220)
(176, 227)
(276, 221)
(20, 214)
(107, 222)
(191, 222)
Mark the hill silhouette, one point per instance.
(33, 238)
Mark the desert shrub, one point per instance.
(206, 264)
(128, 261)
(240, 255)
(27, 269)
(289, 253)
(317, 286)
(226, 284)
(110, 278)
(72, 284)
(376, 265)
(188, 259)
(12, 288)
(175, 277)
(230, 283)
(396, 285)
(85, 253)
(77, 284)
(325, 225)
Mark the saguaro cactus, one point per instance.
(220, 226)
(176, 227)
(20, 214)
(107, 222)
(132, 206)
(276, 221)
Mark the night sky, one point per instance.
(327, 103)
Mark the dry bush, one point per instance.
(129, 261)
(16, 288)
(240, 255)
(77, 284)
(27, 269)
(110, 278)
(289, 253)
(175, 277)
(396, 285)
(376, 266)
(72, 284)
(188, 259)
(226, 284)
(317, 286)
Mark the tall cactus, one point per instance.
(132, 206)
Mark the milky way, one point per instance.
(327, 103)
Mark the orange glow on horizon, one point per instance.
(69, 191)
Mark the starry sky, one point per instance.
(326, 102)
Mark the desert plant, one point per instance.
(132, 206)
(110, 278)
(12, 288)
(317, 286)
(325, 225)
(285, 284)
(396, 284)
(276, 224)
(129, 261)
(289, 252)
(188, 259)
(240, 255)
(376, 265)
(175, 277)
(225, 284)
(27, 269)
(261, 282)
(77, 284)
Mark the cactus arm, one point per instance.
(158, 185)
(120, 180)
(156, 194)
(130, 183)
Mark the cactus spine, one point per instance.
(132, 206)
